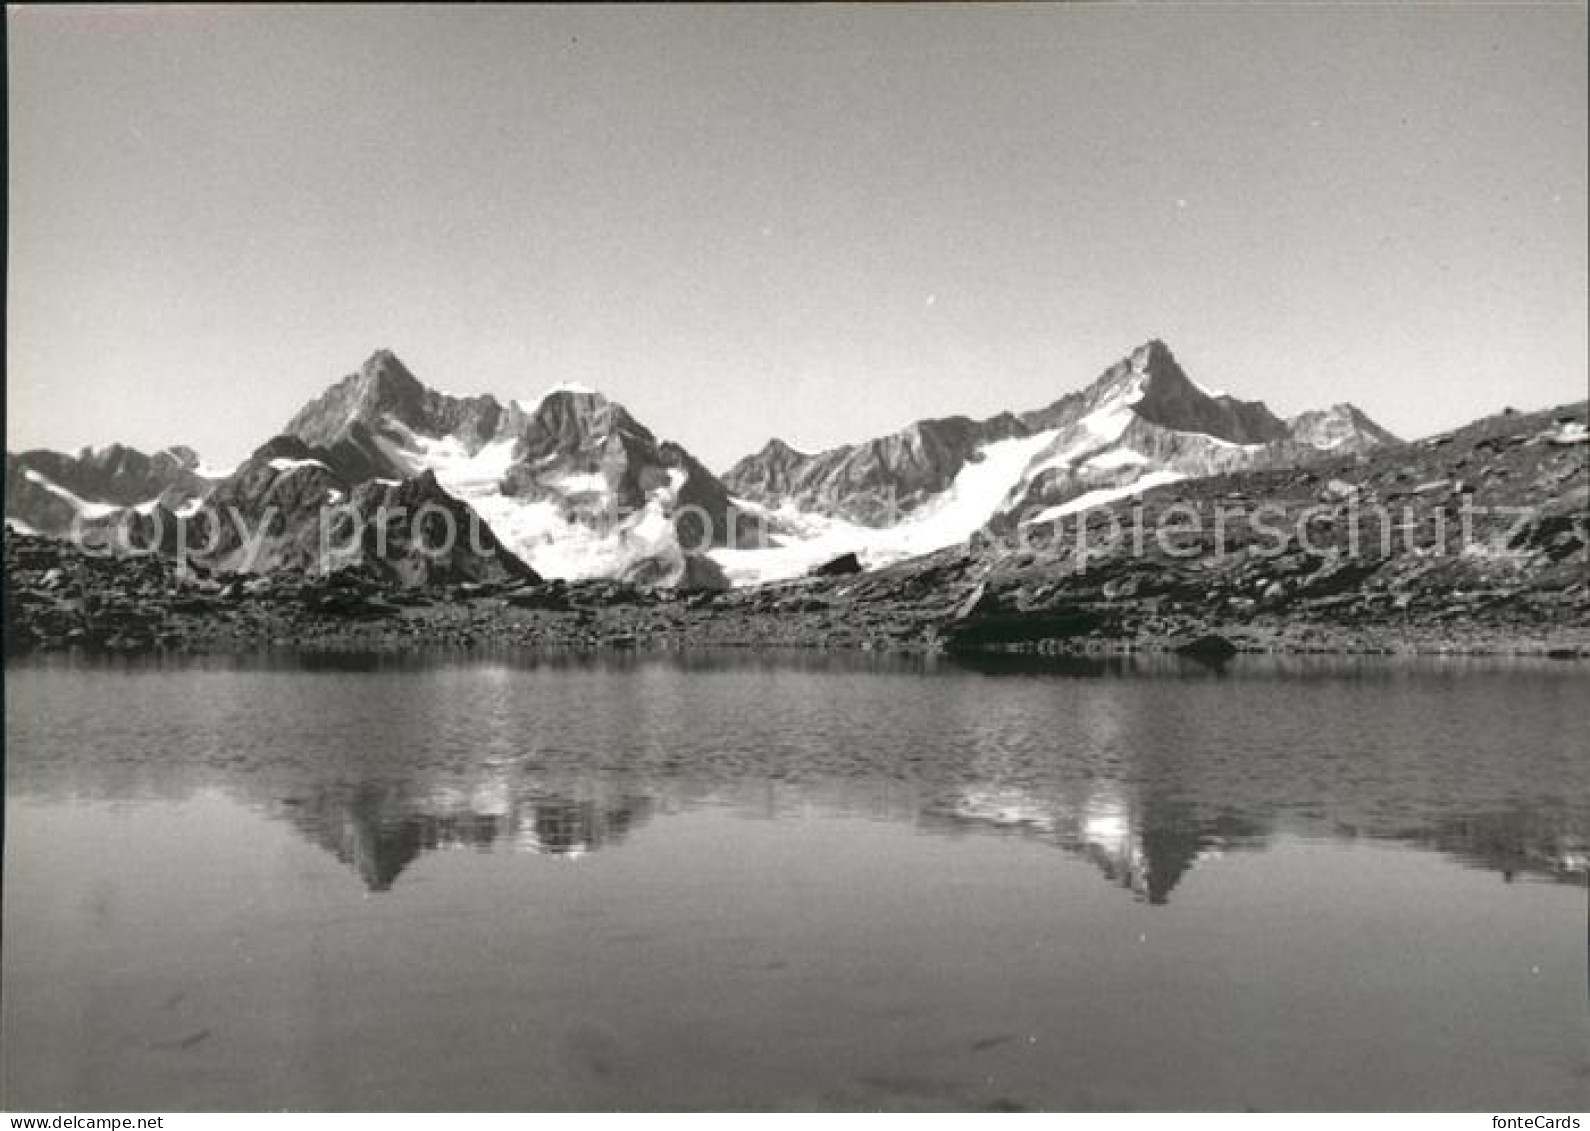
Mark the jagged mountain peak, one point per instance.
(1344, 409)
(566, 391)
(117, 459)
(1152, 385)
(383, 391)
(88, 453)
(570, 419)
(565, 398)
(112, 457)
(551, 475)
(384, 375)
(184, 456)
(1174, 400)
(1151, 361)
(382, 385)
(1155, 358)
(572, 400)
(1142, 421)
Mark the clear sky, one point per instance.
(814, 222)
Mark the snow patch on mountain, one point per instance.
(1217, 442)
(1104, 495)
(577, 487)
(558, 544)
(1143, 423)
(1110, 419)
(283, 464)
(1116, 458)
(544, 532)
(974, 495)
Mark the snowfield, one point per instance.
(541, 531)
(998, 478)
(1119, 457)
(951, 518)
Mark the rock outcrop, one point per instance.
(294, 507)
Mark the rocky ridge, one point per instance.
(575, 486)
(571, 478)
(1142, 417)
(50, 491)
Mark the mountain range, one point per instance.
(572, 485)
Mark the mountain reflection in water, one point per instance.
(378, 830)
(1139, 842)
(735, 881)
(1145, 767)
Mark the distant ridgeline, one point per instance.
(572, 486)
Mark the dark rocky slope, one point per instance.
(1480, 532)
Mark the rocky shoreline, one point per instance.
(59, 599)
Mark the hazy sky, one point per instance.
(816, 222)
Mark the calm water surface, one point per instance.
(794, 882)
